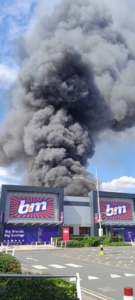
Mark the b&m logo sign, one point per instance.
(112, 210)
(31, 207)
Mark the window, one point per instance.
(71, 230)
(84, 231)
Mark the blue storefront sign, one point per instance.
(28, 235)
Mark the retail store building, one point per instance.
(36, 214)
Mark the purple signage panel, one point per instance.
(129, 234)
(31, 207)
(27, 235)
(115, 210)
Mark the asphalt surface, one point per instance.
(102, 276)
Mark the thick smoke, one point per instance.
(76, 80)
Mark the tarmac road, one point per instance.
(102, 276)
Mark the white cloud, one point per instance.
(7, 75)
(16, 8)
(11, 175)
(15, 17)
(119, 185)
(3, 172)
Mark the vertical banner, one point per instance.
(65, 233)
(96, 218)
(62, 216)
(1, 216)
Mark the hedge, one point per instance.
(9, 264)
(38, 289)
(91, 241)
(31, 288)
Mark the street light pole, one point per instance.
(98, 202)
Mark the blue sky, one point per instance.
(115, 154)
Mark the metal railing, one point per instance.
(75, 278)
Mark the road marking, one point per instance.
(57, 266)
(97, 295)
(107, 289)
(32, 258)
(129, 274)
(114, 275)
(73, 265)
(39, 267)
(92, 277)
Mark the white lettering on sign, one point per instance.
(32, 207)
(117, 210)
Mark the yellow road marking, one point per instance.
(95, 294)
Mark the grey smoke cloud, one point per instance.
(76, 80)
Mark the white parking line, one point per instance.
(128, 275)
(39, 267)
(114, 275)
(32, 258)
(57, 266)
(73, 265)
(92, 277)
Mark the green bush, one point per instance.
(9, 264)
(38, 289)
(106, 240)
(120, 244)
(91, 241)
(78, 238)
(74, 244)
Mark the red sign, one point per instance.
(65, 234)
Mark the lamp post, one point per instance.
(98, 201)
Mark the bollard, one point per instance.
(13, 252)
(101, 248)
(128, 293)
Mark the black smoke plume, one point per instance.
(75, 82)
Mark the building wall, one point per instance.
(77, 211)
